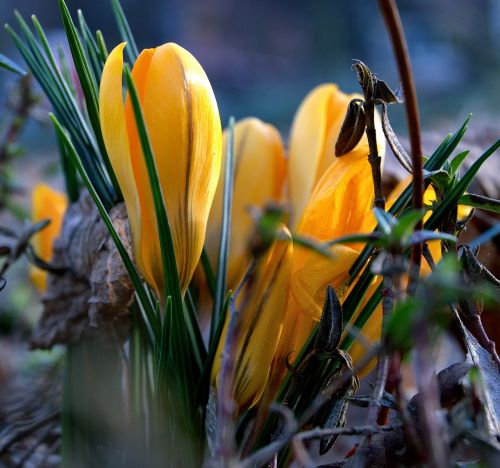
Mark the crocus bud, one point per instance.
(47, 204)
(184, 128)
(259, 176)
(260, 324)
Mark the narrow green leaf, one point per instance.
(92, 51)
(194, 331)
(478, 201)
(65, 70)
(70, 174)
(457, 161)
(452, 198)
(125, 31)
(129, 265)
(164, 353)
(363, 317)
(220, 284)
(101, 43)
(90, 89)
(209, 272)
(8, 64)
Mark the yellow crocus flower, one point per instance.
(330, 197)
(260, 324)
(47, 204)
(184, 128)
(259, 176)
(341, 204)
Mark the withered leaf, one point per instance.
(474, 269)
(384, 93)
(330, 326)
(394, 143)
(365, 78)
(352, 129)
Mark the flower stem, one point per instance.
(395, 28)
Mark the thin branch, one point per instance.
(266, 453)
(395, 28)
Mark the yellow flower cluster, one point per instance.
(328, 197)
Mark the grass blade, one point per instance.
(452, 198)
(8, 64)
(101, 43)
(220, 284)
(209, 272)
(89, 88)
(125, 30)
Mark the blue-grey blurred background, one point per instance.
(263, 56)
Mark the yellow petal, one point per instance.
(310, 128)
(315, 130)
(312, 273)
(184, 127)
(114, 132)
(340, 204)
(260, 326)
(47, 204)
(259, 176)
(342, 201)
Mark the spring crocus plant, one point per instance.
(184, 128)
(47, 204)
(329, 197)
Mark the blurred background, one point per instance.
(263, 56)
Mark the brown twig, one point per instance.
(301, 452)
(395, 28)
(264, 454)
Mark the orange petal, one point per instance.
(47, 204)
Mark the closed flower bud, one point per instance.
(260, 324)
(259, 176)
(184, 128)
